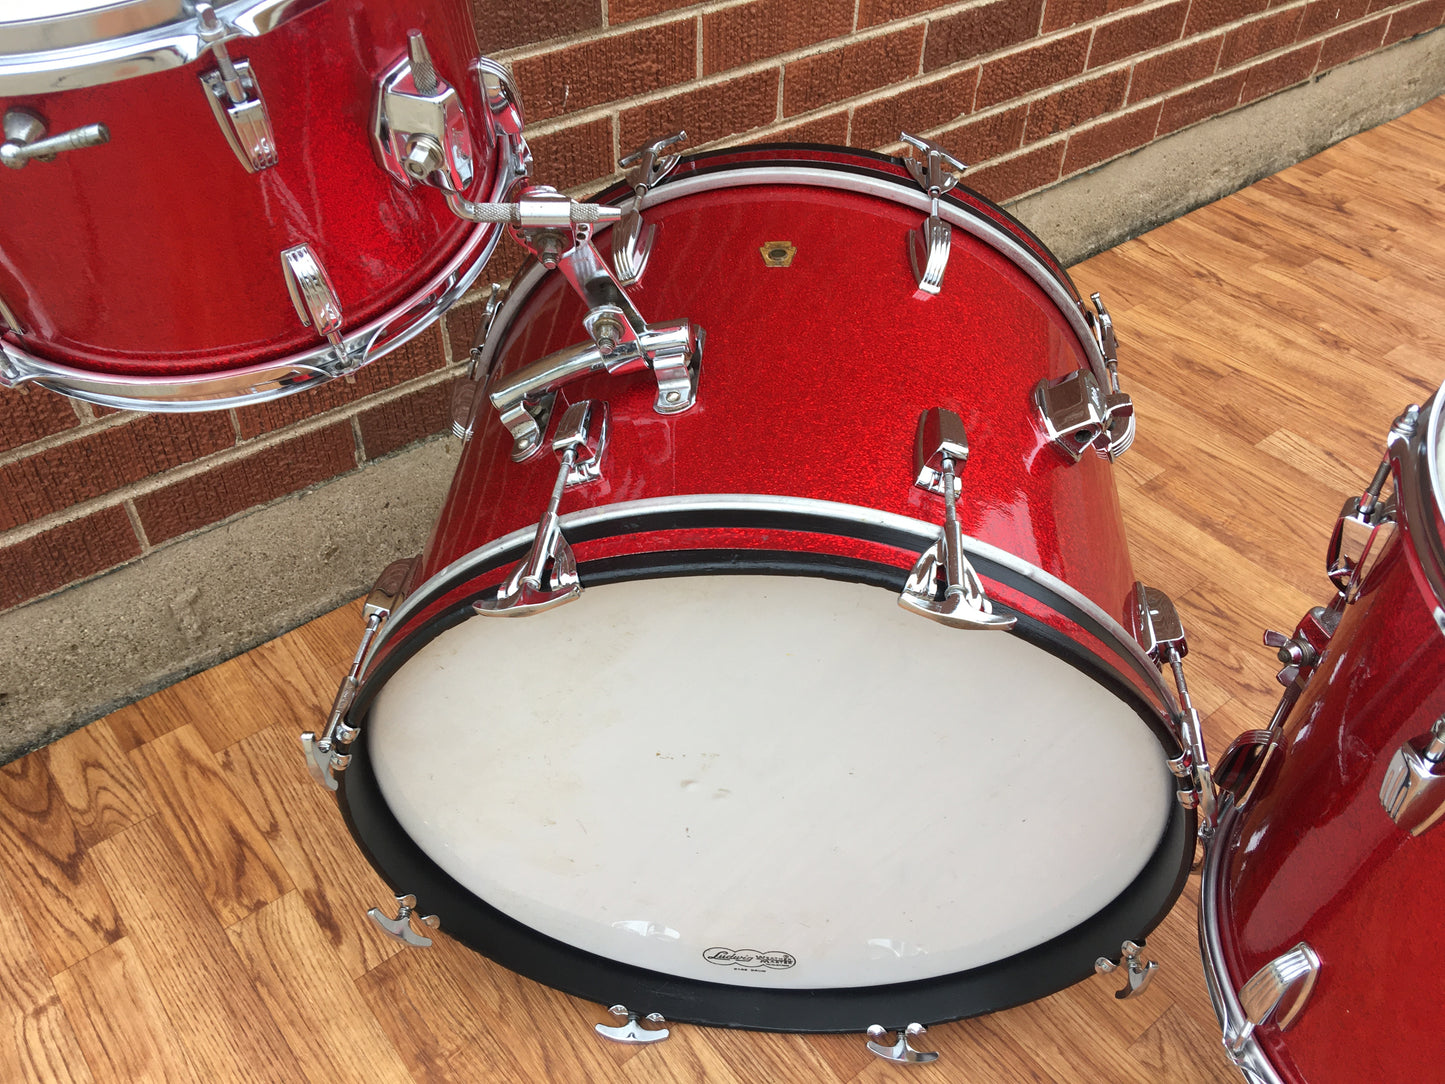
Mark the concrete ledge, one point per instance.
(1084, 215)
(76, 655)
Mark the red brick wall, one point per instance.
(1028, 91)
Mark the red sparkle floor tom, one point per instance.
(1323, 885)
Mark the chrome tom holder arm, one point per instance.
(560, 237)
(326, 754)
(631, 242)
(1157, 628)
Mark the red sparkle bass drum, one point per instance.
(1322, 889)
(840, 723)
(210, 206)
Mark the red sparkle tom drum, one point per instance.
(733, 780)
(1322, 889)
(211, 206)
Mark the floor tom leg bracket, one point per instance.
(901, 1049)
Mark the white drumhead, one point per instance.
(769, 781)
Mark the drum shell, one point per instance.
(798, 399)
(158, 254)
(1314, 857)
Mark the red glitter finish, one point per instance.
(813, 379)
(1315, 857)
(158, 254)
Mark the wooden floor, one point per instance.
(178, 901)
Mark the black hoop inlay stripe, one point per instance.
(685, 517)
(1024, 977)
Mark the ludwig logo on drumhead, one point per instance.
(726, 957)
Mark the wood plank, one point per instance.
(97, 783)
(135, 1043)
(303, 827)
(226, 853)
(208, 996)
(63, 903)
(37, 1044)
(310, 998)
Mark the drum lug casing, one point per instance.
(1413, 791)
(631, 241)
(1277, 992)
(235, 96)
(930, 244)
(1159, 631)
(1078, 414)
(325, 754)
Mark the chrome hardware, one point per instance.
(59, 47)
(464, 406)
(929, 245)
(1301, 652)
(1364, 525)
(323, 757)
(1156, 625)
(235, 96)
(1078, 414)
(899, 1050)
(400, 926)
(1413, 791)
(547, 576)
(419, 129)
(298, 371)
(25, 139)
(1278, 991)
(1243, 766)
(504, 103)
(9, 319)
(1101, 324)
(495, 301)
(1139, 972)
(622, 342)
(631, 243)
(313, 295)
(632, 1030)
(940, 449)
